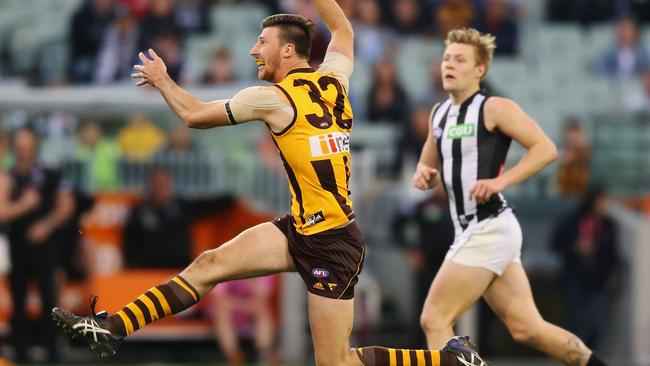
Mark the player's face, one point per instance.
(267, 54)
(459, 68)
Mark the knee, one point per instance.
(204, 269)
(206, 259)
(525, 332)
(432, 320)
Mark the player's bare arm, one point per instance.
(509, 118)
(426, 172)
(251, 104)
(342, 34)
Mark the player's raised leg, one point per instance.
(511, 299)
(455, 288)
(257, 251)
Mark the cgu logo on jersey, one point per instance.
(329, 144)
(460, 131)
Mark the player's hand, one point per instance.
(425, 177)
(152, 71)
(485, 188)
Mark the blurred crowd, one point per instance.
(41, 209)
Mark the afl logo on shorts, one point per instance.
(319, 273)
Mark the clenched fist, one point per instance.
(425, 177)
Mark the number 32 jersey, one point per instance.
(315, 150)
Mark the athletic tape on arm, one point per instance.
(242, 107)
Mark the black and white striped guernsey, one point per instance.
(468, 152)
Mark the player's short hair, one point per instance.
(484, 44)
(294, 29)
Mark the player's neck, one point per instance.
(297, 64)
(458, 97)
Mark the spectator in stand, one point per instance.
(372, 40)
(639, 103)
(629, 57)
(100, 155)
(86, 32)
(407, 17)
(159, 21)
(118, 48)
(453, 14)
(387, 100)
(582, 11)
(499, 19)
(186, 161)
(140, 138)
(412, 137)
(5, 159)
(157, 231)
(221, 68)
(193, 16)
(575, 160)
(586, 241)
(425, 253)
(179, 146)
(437, 93)
(243, 309)
(139, 8)
(36, 202)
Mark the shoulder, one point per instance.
(496, 103)
(262, 97)
(498, 106)
(497, 110)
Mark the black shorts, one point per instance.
(328, 262)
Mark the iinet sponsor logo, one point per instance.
(329, 144)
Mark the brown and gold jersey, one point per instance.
(315, 150)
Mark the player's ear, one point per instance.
(289, 49)
(480, 71)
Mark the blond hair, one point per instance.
(484, 44)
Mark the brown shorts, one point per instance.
(328, 262)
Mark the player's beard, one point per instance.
(270, 68)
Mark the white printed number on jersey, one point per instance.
(329, 144)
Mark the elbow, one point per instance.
(552, 152)
(190, 121)
(348, 28)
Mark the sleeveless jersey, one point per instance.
(315, 150)
(468, 152)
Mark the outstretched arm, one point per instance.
(193, 112)
(250, 104)
(340, 27)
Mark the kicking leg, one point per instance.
(257, 251)
(511, 299)
(454, 289)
